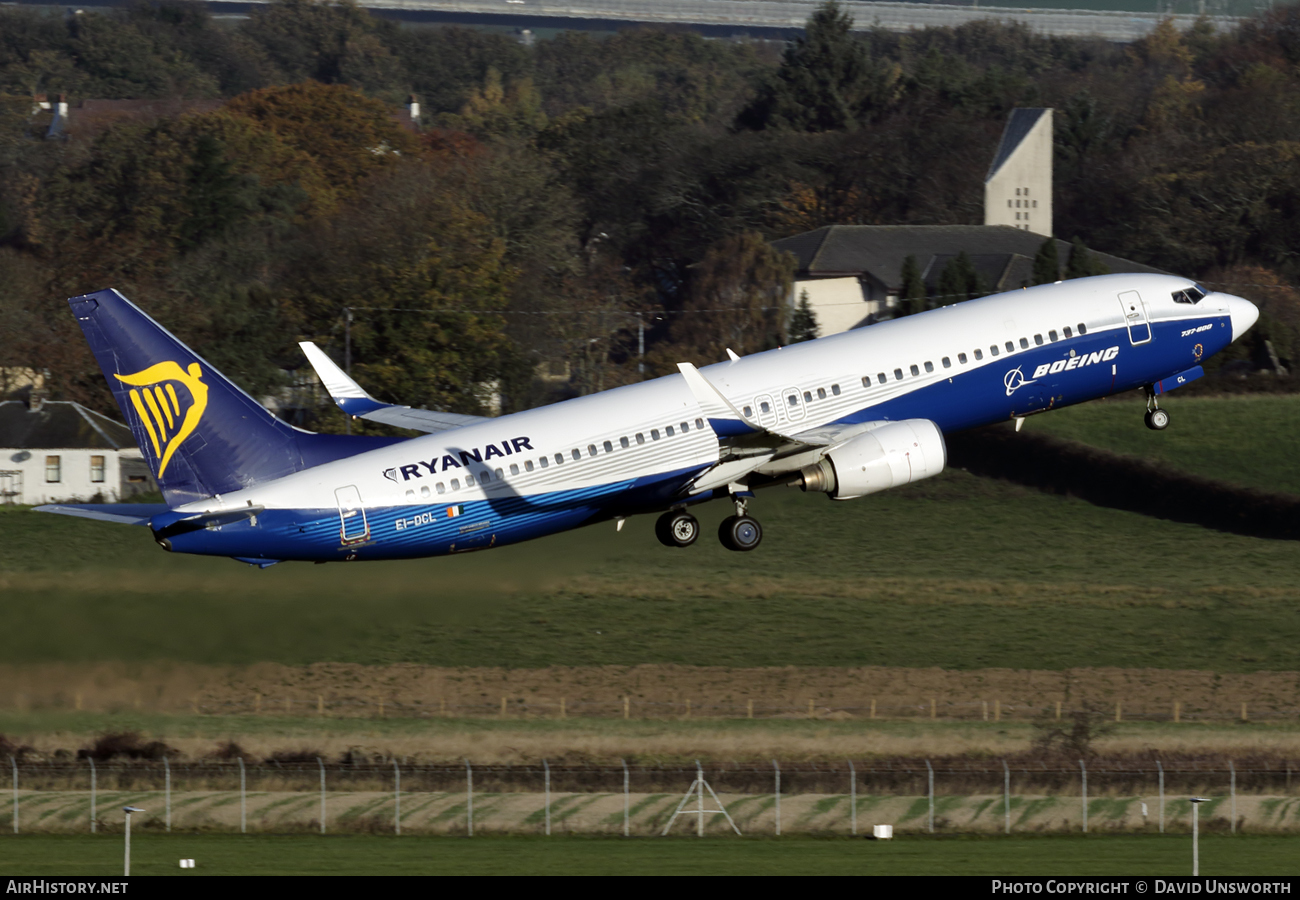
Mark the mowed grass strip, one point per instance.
(956, 572)
(1099, 854)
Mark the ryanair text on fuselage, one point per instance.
(455, 459)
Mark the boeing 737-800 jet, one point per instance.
(846, 415)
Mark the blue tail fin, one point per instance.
(201, 434)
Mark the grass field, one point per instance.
(1248, 439)
(378, 855)
(958, 572)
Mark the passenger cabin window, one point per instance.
(591, 449)
(1068, 333)
(1083, 329)
(979, 354)
(640, 438)
(1038, 340)
(576, 453)
(915, 370)
(947, 363)
(898, 374)
(1024, 343)
(469, 479)
(455, 483)
(424, 491)
(821, 393)
(929, 366)
(654, 434)
(881, 378)
(559, 459)
(748, 411)
(807, 396)
(624, 442)
(792, 400)
(484, 477)
(686, 426)
(961, 358)
(410, 495)
(544, 461)
(699, 423)
(609, 447)
(835, 389)
(440, 488)
(765, 406)
(528, 465)
(500, 475)
(1052, 336)
(1011, 348)
(668, 431)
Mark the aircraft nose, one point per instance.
(1243, 313)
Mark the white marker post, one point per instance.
(126, 864)
(1196, 837)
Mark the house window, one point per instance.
(1008, 204)
(1035, 204)
(53, 469)
(97, 469)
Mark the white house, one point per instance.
(59, 451)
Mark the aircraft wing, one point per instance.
(354, 401)
(118, 513)
(764, 449)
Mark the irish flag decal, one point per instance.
(454, 511)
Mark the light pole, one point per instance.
(1196, 850)
(127, 862)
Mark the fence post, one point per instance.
(546, 776)
(626, 798)
(1161, 770)
(1084, 770)
(397, 797)
(321, 763)
(699, 799)
(243, 799)
(930, 791)
(469, 799)
(1006, 794)
(853, 799)
(1232, 788)
(93, 793)
(13, 762)
(778, 796)
(167, 792)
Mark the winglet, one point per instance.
(725, 419)
(349, 395)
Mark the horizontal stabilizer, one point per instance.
(353, 400)
(118, 513)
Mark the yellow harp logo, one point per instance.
(159, 407)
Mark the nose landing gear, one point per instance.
(1156, 418)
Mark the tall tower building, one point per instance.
(1018, 188)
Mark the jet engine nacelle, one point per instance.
(893, 454)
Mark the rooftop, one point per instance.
(59, 424)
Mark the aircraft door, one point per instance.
(1135, 317)
(353, 526)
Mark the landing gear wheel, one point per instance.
(677, 529)
(740, 533)
(1157, 420)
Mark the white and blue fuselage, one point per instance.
(642, 448)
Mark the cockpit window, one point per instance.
(1193, 294)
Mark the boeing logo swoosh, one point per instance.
(1014, 380)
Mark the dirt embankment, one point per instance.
(650, 691)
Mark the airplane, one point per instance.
(845, 415)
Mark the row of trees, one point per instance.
(583, 198)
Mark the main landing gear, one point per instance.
(678, 528)
(1156, 418)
